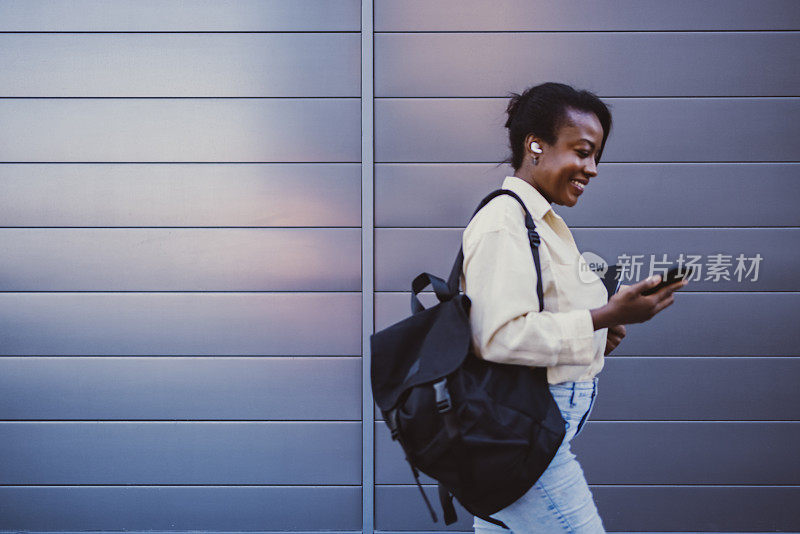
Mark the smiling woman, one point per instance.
(557, 135)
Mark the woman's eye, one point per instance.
(583, 153)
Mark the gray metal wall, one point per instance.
(182, 249)
(180, 316)
(696, 424)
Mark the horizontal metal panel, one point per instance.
(196, 388)
(645, 130)
(182, 15)
(180, 130)
(622, 194)
(665, 389)
(173, 452)
(401, 254)
(276, 259)
(170, 508)
(180, 324)
(696, 324)
(108, 195)
(554, 15)
(433, 194)
(690, 453)
(184, 64)
(629, 509)
(611, 64)
(698, 389)
(656, 453)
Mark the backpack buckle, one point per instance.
(443, 402)
(533, 237)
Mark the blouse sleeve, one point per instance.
(500, 279)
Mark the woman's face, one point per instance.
(571, 159)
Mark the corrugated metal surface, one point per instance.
(406, 197)
(693, 429)
(631, 508)
(185, 388)
(180, 195)
(459, 130)
(165, 130)
(180, 64)
(401, 254)
(171, 508)
(715, 453)
(180, 315)
(180, 16)
(181, 259)
(720, 324)
(617, 63)
(661, 388)
(576, 15)
(182, 305)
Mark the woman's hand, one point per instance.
(614, 338)
(629, 306)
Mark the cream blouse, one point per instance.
(499, 277)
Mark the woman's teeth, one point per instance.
(578, 184)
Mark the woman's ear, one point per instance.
(533, 144)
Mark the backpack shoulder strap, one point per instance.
(533, 238)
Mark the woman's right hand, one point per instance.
(629, 306)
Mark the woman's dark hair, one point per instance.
(541, 110)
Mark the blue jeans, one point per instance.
(560, 501)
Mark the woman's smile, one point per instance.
(577, 185)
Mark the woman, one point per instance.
(557, 135)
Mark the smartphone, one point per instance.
(673, 275)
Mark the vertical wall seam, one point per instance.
(367, 266)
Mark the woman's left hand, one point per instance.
(615, 335)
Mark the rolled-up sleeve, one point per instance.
(500, 280)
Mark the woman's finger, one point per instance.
(664, 303)
(611, 344)
(666, 291)
(617, 330)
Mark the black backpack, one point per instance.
(485, 431)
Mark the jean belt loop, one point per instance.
(572, 397)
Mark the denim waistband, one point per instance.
(587, 384)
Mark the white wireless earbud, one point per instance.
(536, 148)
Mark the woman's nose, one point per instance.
(591, 168)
